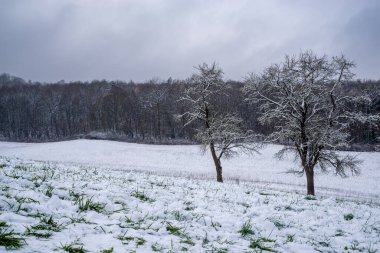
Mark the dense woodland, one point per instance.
(139, 112)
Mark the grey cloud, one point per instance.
(361, 37)
(84, 40)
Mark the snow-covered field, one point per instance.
(261, 170)
(103, 196)
(53, 207)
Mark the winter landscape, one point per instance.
(102, 195)
(196, 126)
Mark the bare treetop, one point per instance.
(302, 98)
(219, 130)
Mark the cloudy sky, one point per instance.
(50, 40)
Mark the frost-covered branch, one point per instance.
(302, 98)
(219, 130)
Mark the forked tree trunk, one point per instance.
(218, 166)
(310, 181)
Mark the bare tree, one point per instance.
(302, 97)
(221, 131)
(154, 101)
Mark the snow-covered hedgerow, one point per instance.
(46, 207)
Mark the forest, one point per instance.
(144, 112)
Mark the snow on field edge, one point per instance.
(55, 207)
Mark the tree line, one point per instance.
(138, 112)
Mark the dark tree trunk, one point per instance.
(310, 181)
(218, 166)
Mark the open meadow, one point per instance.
(94, 196)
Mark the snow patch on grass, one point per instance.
(187, 161)
(90, 209)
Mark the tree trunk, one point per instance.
(310, 181)
(218, 166)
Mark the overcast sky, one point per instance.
(48, 40)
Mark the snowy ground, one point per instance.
(261, 170)
(67, 208)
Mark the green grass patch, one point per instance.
(74, 247)
(87, 204)
(48, 223)
(9, 239)
(126, 239)
(246, 229)
(110, 250)
(49, 191)
(80, 220)
(38, 234)
(141, 196)
(21, 201)
(258, 244)
(173, 230)
(74, 195)
(188, 241)
(348, 217)
(140, 241)
(44, 227)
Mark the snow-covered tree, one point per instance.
(302, 98)
(220, 131)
